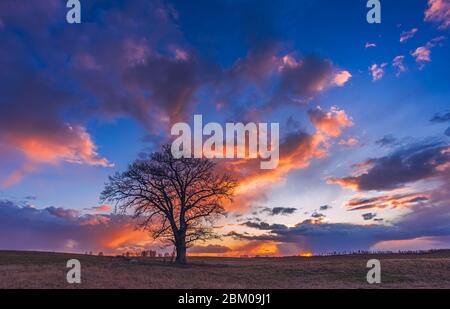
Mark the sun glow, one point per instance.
(306, 254)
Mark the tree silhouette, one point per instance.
(176, 199)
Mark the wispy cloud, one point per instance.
(422, 54)
(377, 71)
(406, 35)
(398, 64)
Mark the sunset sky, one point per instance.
(364, 113)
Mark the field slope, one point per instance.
(48, 270)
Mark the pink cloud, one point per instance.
(349, 142)
(377, 71)
(101, 208)
(330, 123)
(406, 35)
(342, 77)
(422, 54)
(398, 64)
(70, 144)
(438, 12)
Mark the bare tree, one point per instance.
(177, 200)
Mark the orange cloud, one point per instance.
(342, 77)
(71, 144)
(127, 235)
(330, 123)
(296, 152)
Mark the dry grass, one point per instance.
(47, 270)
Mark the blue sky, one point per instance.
(80, 102)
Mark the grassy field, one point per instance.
(47, 270)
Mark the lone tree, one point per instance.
(177, 200)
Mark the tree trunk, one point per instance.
(181, 250)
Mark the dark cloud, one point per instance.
(209, 249)
(428, 216)
(325, 207)
(408, 164)
(441, 117)
(279, 210)
(133, 61)
(386, 140)
(327, 237)
(57, 229)
(368, 216)
(264, 225)
(303, 80)
(317, 215)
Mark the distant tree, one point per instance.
(177, 199)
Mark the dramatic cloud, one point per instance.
(297, 149)
(427, 218)
(89, 74)
(408, 164)
(134, 62)
(330, 123)
(438, 12)
(302, 79)
(377, 71)
(406, 35)
(274, 78)
(58, 229)
(326, 237)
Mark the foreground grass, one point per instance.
(48, 270)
